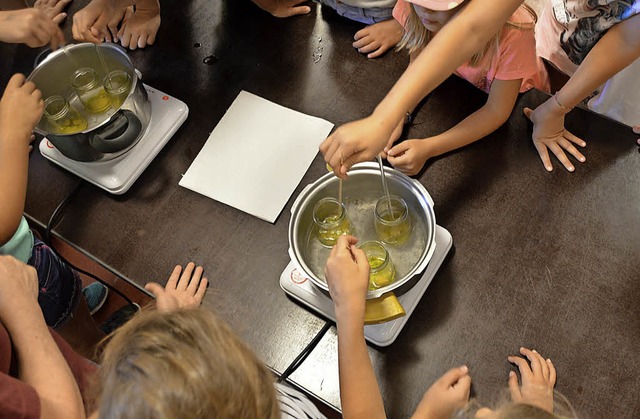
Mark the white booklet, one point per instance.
(256, 156)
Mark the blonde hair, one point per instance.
(416, 36)
(506, 409)
(184, 364)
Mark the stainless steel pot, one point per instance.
(108, 134)
(360, 191)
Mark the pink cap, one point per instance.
(438, 5)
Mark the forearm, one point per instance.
(458, 40)
(359, 392)
(618, 48)
(42, 365)
(474, 127)
(14, 161)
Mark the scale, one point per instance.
(302, 289)
(117, 175)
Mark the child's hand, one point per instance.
(53, 9)
(186, 291)
(21, 107)
(32, 27)
(549, 132)
(446, 396)
(409, 156)
(538, 380)
(347, 274)
(91, 24)
(121, 17)
(285, 8)
(140, 29)
(376, 39)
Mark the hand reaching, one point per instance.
(21, 107)
(91, 24)
(140, 28)
(549, 132)
(355, 142)
(409, 156)
(538, 380)
(347, 274)
(33, 27)
(446, 396)
(182, 291)
(53, 9)
(376, 39)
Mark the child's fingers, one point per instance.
(636, 129)
(361, 34)
(574, 138)
(567, 145)
(522, 365)
(16, 81)
(154, 288)
(172, 283)
(195, 280)
(186, 276)
(560, 155)
(377, 53)
(527, 112)
(202, 289)
(534, 359)
(514, 388)
(452, 376)
(372, 46)
(544, 367)
(544, 155)
(552, 372)
(365, 40)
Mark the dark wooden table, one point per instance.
(544, 260)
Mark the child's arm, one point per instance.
(20, 109)
(618, 48)
(347, 273)
(409, 156)
(454, 44)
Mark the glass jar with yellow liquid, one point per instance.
(63, 118)
(91, 93)
(382, 272)
(117, 85)
(330, 218)
(392, 220)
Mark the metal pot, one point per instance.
(360, 191)
(108, 134)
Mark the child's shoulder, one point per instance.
(523, 18)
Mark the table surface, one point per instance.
(543, 260)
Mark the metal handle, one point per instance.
(117, 135)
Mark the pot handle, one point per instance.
(117, 135)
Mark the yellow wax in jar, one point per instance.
(395, 234)
(329, 236)
(381, 278)
(96, 101)
(71, 125)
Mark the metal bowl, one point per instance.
(360, 191)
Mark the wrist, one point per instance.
(560, 105)
(352, 314)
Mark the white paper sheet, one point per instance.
(256, 156)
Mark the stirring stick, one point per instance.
(384, 187)
(340, 185)
(104, 64)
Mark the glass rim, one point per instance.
(48, 101)
(378, 243)
(87, 85)
(382, 201)
(120, 89)
(341, 216)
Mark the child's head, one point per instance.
(183, 364)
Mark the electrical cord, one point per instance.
(55, 218)
(305, 352)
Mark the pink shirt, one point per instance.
(516, 57)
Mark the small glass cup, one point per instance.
(63, 118)
(382, 272)
(90, 91)
(392, 225)
(330, 218)
(117, 85)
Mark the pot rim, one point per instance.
(53, 54)
(369, 168)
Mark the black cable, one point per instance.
(305, 352)
(55, 218)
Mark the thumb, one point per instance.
(528, 112)
(360, 256)
(398, 149)
(452, 376)
(636, 129)
(154, 288)
(514, 389)
(300, 10)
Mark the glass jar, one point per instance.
(117, 85)
(63, 118)
(330, 218)
(90, 91)
(382, 272)
(392, 220)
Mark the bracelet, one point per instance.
(564, 108)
